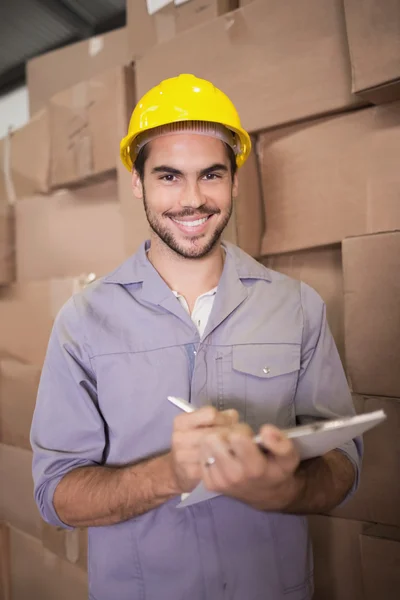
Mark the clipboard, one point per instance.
(312, 440)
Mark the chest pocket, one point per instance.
(265, 375)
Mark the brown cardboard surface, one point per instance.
(146, 31)
(87, 122)
(25, 159)
(27, 312)
(195, 12)
(337, 558)
(68, 545)
(38, 574)
(17, 505)
(7, 244)
(55, 71)
(5, 583)
(321, 268)
(380, 551)
(371, 267)
(136, 227)
(69, 232)
(373, 28)
(378, 497)
(331, 178)
(276, 65)
(244, 229)
(18, 388)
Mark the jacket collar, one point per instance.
(138, 269)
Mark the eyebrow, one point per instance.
(206, 171)
(165, 169)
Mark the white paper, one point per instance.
(179, 2)
(96, 45)
(310, 440)
(155, 5)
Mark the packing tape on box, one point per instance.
(165, 26)
(9, 184)
(80, 139)
(236, 27)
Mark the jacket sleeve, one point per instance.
(322, 391)
(67, 429)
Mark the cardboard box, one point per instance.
(68, 545)
(321, 268)
(5, 574)
(337, 558)
(380, 552)
(371, 267)
(87, 122)
(25, 159)
(244, 229)
(276, 65)
(60, 69)
(18, 389)
(27, 313)
(331, 178)
(147, 30)
(373, 28)
(69, 232)
(38, 574)
(17, 505)
(7, 244)
(378, 497)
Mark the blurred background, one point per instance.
(317, 84)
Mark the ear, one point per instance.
(137, 186)
(235, 186)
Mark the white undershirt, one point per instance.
(202, 308)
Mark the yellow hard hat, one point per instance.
(182, 99)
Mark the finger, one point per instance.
(207, 416)
(226, 470)
(247, 453)
(282, 448)
(185, 443)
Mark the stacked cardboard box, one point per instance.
(56, 71)
(152, 23)
(59, 184)
(373, 28)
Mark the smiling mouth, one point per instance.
(194, 223)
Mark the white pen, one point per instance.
(182, 404)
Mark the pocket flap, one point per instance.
(266, 360)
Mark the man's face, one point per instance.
(187, 191)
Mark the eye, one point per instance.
(212, 176)
(168, 178)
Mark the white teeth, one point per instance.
(191, 223)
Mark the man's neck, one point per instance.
(189, 277)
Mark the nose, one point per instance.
(192, 196)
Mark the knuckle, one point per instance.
(210, 413)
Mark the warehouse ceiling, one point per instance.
(31, 27)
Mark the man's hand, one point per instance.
(190, 430)
(241, 470)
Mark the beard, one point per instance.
(197, 249)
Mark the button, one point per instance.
(266, 370)
(195, 352)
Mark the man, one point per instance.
(193, 317)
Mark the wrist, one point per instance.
(169, 475)
(295, 491)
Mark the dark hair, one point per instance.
(144, 154)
